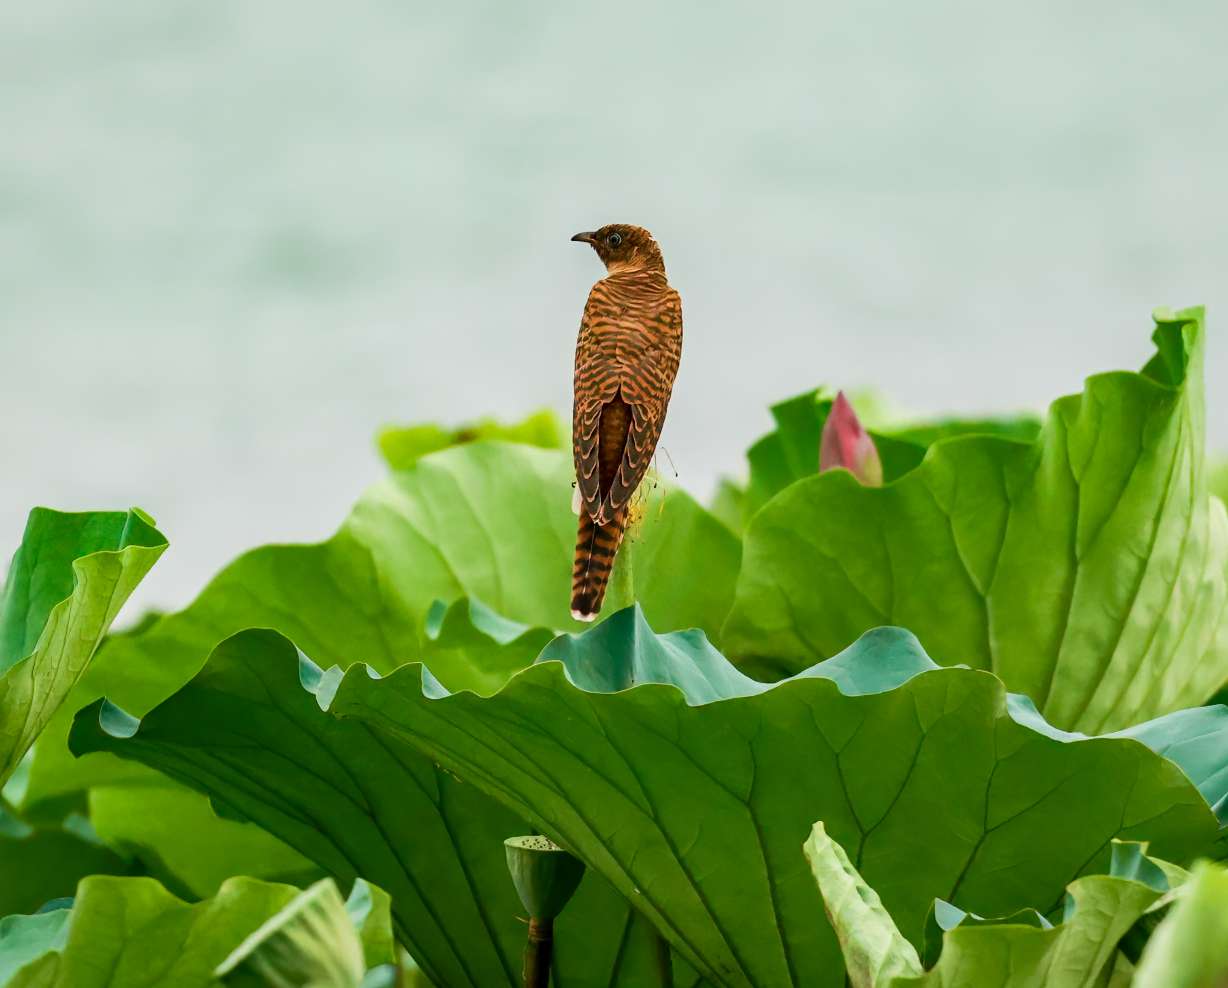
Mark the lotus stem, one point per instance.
(538, 952)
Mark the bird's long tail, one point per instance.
(596, 546)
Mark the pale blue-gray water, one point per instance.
(237, 236)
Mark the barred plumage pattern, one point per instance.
(626, 359)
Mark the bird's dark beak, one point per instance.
(585, 238)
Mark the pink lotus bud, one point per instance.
(846, 444)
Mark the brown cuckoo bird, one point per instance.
(626, 359)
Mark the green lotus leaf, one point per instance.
(132, 933)
(1022, 428)
(41, 863)
(729, 504)
(1079, 952)
(1189, 948)
(1219, 479)
(1129, 860)
(251, 732)
(370, 911)
(488, 520)
(1088, 569)
(174, 833)
(944, 917)
(875, 953)
(468, 646)
(403, 445)
(24, 939)
(691, 788)
(68, 580)
(309, 943)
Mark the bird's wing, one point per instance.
(646, 382)
(595, 384)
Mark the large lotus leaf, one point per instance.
(491, 520)
(693, 790)
(494, 521)
(470, 645)
(1080, 952)
(24, 939)
(1095, 927)
(68, 580)
(310, 943)
(729, 504)
(44, 863)
(370, 910)
(876, 954)
(945, 917)
(250, 731)
(403, 445)
(1088, 569)
(174, 833)
(1131, 860)
(1189, 948)
(132, 933)
(1022, 428)
(1219, 479)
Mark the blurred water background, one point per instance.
(238, 236)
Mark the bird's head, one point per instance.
(624, 248)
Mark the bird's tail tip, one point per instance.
(596, 544)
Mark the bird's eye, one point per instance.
(614, 239)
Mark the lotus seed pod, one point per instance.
(545, 875)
